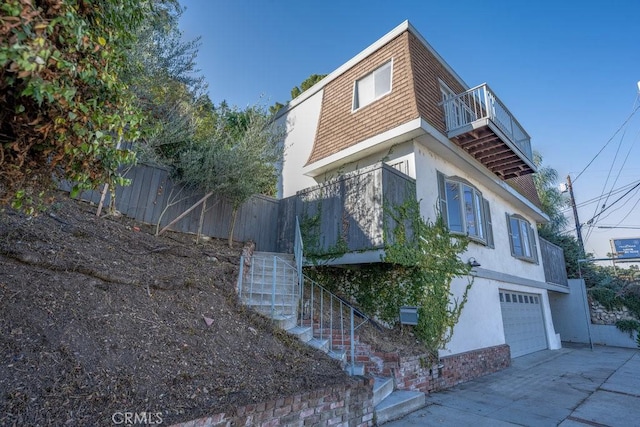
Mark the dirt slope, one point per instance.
(98, 316)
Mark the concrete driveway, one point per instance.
(570, 387)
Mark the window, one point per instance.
(464, 209)
(457, 112)
(522, 238)
(372, 86)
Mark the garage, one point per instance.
(523, 322)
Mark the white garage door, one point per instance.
(523, 322)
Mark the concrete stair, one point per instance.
(258, 288)
(257, 294)
(390, 405)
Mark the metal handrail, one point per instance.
(262, 287)
(335, 316)
(479, 103)
(326, 314)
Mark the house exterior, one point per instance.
(398, 102)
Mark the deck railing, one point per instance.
(480, 103)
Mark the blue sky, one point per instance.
(567, 70)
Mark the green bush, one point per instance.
(607, 297)
(417, 270)
(628, 325)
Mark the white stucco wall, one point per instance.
(427, 164)
(301, 123)
(400, 153)
(480, 323)
(573, 321)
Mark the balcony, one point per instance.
(349, 219)
(555, 267)
(479, 123)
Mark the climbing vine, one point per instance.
(421, 260)
(629, 326)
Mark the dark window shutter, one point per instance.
(513, 252)
(488, 224)
(442, 198)
(534, 245)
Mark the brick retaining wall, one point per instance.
(345, 405)
(415, 373)
(352, 404)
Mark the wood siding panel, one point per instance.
(340, 127)
(351, 211)
(426, 70)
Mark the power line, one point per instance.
(616, 201)
(622, 206)
(604, 187)
(629, 213)
(624, 162)
(609, 141)
(597, 199)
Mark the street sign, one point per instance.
(626, 249)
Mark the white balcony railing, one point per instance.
(480, 103)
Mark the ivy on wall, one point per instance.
(420, 262)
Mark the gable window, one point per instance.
(464, 209)
(372, 86)
(522, 238)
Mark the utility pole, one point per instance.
(575, 214)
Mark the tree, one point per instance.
(553, 202)
(306, 84)
(297, 90)
(168, 88)
(64, 108)
(239, 158)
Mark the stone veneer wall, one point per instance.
(602, 316)
(345, 405)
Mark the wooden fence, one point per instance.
(348, 213)
(153, 196)
(555, 267)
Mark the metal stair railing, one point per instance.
(276, 289)
(323, 311)
(330, 318)
(326, 314)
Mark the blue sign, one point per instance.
(626, 248)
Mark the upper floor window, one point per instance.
(464, 209)
(372, 86)
(445, 91)
(522, 238)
